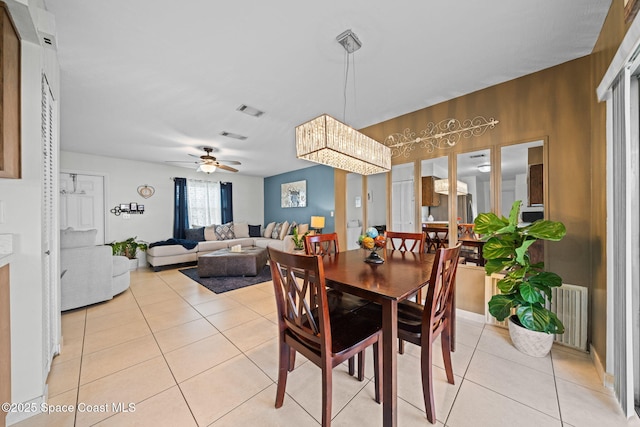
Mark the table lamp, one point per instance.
(317, 223)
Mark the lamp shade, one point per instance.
(330, 142)
(317, 222)
(441, 186)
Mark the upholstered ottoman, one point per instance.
(223, 262)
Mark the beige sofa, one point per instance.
(161, 256)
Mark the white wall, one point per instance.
(123, 177)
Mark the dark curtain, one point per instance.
(226, 201)
(180, 214)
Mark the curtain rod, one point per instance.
(172, 178)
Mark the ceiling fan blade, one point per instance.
(230, 162)
(194, 155)
(182, 161)
(226, 168)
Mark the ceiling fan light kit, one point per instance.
(206, 168)
(209, 164)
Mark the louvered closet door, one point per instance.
(51, 277)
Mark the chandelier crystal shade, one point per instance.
(441, 186)
(330, 142)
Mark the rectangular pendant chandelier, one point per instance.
(441, 186)
(328, 141)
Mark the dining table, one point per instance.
(398, 278)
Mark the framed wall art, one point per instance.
(293, 194)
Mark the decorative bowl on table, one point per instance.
(372, 241)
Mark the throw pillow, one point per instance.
(291, 227)
(275, 234)
(241, 229)
(269, 229)
(210, 232)
(70, 238)
(303, 228)
(225, 231)
(284, 230)
(196, 234)
(254, 231)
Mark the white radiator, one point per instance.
(570, 303)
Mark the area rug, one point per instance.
(225, 284)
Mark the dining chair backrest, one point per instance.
(441, 286)
(321, 244)
(406, 242)
(295, 277)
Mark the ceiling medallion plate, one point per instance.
(444, 134)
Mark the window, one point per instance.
(203, 202)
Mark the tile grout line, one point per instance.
(464, 374)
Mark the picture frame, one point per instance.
(124, 207)
(133, 206)
(293, 194)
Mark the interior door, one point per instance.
(403, 206)
(82, 203)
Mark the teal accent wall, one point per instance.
(320, 197)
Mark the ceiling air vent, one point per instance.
(250, 110)
(233, 135)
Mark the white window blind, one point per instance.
(203, 199)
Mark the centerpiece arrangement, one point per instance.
(372, 241)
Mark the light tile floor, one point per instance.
(184, 356)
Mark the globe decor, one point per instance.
(372, 241)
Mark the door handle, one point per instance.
(47, 252)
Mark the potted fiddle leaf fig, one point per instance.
(525, 287)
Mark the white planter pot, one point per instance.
(533, 343)
(133, 264)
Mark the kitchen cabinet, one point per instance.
(429, 196)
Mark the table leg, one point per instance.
(389, 363)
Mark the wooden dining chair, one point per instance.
(406, 242)
(306, 325)
(422, 324)
(339, 302)
(321, 244)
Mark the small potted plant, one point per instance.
(525, 287)
(130, 249)
(298, 240)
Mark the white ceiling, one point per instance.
(154, 80)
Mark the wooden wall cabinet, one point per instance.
(429, 196)
(10, 162)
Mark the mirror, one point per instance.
(354, 209)
(435, 206)
(474, 185)
(522, 179)
(377, 201)
(402, 198)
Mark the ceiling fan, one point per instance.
(208, 164)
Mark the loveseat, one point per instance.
(90, 273)
(215, 237)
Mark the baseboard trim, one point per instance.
(36, 404)
(470, 315)
(606, 378)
